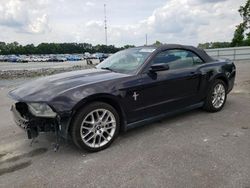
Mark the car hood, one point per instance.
(46, 88)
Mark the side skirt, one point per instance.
(161, 116)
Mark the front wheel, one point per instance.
(95, 126)
(216, 97)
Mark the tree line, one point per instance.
(56, 48)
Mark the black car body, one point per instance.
(152, 91)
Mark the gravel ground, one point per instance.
(194, 149)
(35, 69)
(7, 66)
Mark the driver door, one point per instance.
(166, 91)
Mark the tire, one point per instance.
(95, 126)
(211, 105)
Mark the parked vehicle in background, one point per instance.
(15, 59)
(73, 58)
(2, 58)
(53, 57)
(86, 55)
(23, 59)
(100, 56)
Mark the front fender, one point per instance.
(68, 100)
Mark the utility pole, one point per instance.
(146, 39)
(105, 25)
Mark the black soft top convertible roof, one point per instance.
(198, 51)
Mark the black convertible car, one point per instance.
(130, 88)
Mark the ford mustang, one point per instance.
(130, 88)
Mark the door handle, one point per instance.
(193, 74)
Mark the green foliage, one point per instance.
(128, 46)
(57, 48)
(242, 34)
(157, 43)
(238, 35)
(245, 11)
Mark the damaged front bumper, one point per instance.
(31, 124)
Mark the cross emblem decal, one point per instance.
(135, 95)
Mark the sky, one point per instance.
(170, 21)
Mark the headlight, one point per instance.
(41, 110)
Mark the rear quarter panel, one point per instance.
(218, 69)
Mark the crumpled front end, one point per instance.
(31, 124)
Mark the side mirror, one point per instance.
(159, 67)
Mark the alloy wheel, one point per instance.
(218, 96)
(98, 128)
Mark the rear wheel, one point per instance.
(216, 97)
(95, 126)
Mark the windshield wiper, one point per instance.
(107, 68)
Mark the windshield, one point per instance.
(126, 61)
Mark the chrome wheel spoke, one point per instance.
(104, 137)
(106, 119)
(90, 138)
(108, 122)
(217, 102)
(87, 134)
(99, 140)
(214, 100)
(103, 114)
(92, 117)
(107, 128)
(97, 115)
(89, 122)
(94, 141)
(88, 128)
(107, 133)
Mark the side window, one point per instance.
(177, 59)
